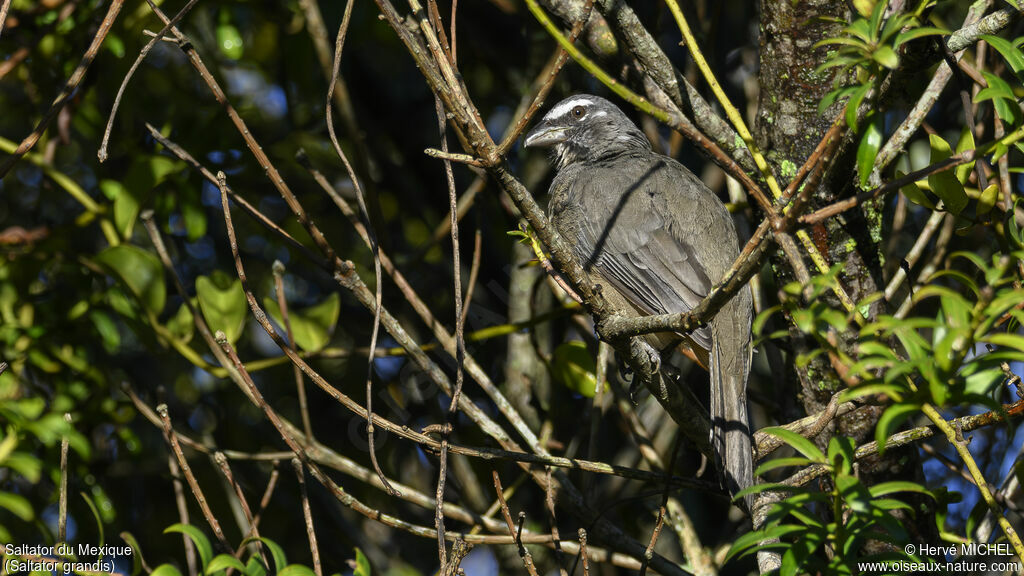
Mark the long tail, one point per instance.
(730, 365)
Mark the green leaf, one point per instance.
(798, 442)
(1014, 234)
(944, 184)
(796, 557)
(1010, 53)
(781, 463)
(276, 552)
(312, 327)
(885, 488)
(140, 271)
(914, 193)
(864, 7)
(1003, 99)
(890, 420)
(165, 570)
(126, 206)
(842, 454)
(254, 567)
(136, 555)
(107, 329)
(296, 570)
(574, 367)
(181, 325)
(200, 540)
(1007, 340)
(17, 505)
(362, 564)
(222, 562)
(965, 143)
(988, 198)
(867, 151)
(856, 97)
(754, 538)
(222, 302)
(886, 56)
(915, 33)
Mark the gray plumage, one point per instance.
(657, 239)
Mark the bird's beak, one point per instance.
(545, 134)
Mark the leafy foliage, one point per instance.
(868, 47)
(842, 520)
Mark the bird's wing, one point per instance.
(635, 247)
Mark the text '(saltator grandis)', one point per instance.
(656, 239)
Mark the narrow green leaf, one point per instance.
(753, 538)
(280, 560)
(885, 488)
(165, 570)
(222, 562)
(781, 463)
(200, 540)
(296, 570)
(856, 97)
(798, 442)
(890, 420)
(867, 151)
(136, 555)
(915, 33)
(1010, 53)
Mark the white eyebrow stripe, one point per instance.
(564, 107)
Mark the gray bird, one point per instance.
(657, 240)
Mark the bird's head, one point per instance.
(585, 127)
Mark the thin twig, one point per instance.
(268, 492)
(102, 152)
(524, 554)
(544, 88)
(649, 553)
(454, 157)
(474, 270)
(277, 270)
(69, 89)
(549, 506)
(3, 16)
(339, 44)
(179, 500)
(307, 514)
(252, 530)
(62, 508)
(583, 551)
(460, 340)
(890, 186)
(955, 436)
(197, 491)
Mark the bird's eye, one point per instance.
(578, 112)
